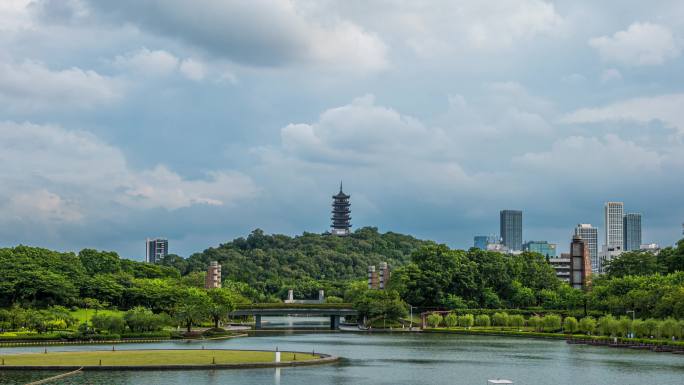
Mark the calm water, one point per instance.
(407, 359)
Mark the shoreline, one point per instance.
(322, 358)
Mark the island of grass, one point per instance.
(159, 359)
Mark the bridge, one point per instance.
(332, 310)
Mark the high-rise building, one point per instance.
(156, 249)
(542, 247)
(341, 213)
(589, 234)
(510, 223)
(580, 263)
(631, 229)
(481, 241)
(613, 213)
(213, 278)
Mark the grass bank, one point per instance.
(152, 358)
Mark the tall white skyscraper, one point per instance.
(613, 212)
(589, 234)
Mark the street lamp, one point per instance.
(410, 316)
(633, 316)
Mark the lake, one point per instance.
(403, 358)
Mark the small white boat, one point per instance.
(499, 381)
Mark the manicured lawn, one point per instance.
(147, 357)
(80, 314)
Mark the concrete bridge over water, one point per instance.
(332, 310)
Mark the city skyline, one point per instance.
(123, 119)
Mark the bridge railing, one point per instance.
(281, 305)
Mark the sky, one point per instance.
(202, 120)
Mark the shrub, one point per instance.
(500, 319)
(482, 320)
(535, 322)
(434, 320)
(466, 320)
(516, 320)
(109, 323)
(333, 299)
(587, 325)
(450, 320)
(551, 323)
(570, 324)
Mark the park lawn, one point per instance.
(80, 314)
(148, 357)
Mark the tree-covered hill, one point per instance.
(271, 263)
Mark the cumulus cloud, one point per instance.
(31, 85)
(50, 173)
(147, 62)
(255, 33)
(641, 44)
(664, 108)
(193, 69)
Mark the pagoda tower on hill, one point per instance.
(341, 214)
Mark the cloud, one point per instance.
(642, 44)
(148, 63)
(664, 108)
(30, 85)
(54, 174)
(610, 75)
(193, 69)
(255, 33)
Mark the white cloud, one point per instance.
(610, 75)
(60, 175)
(14, 15)
(146, 62)
(256, 33)
(664, 108)
(193, 69)
(642, 44)
(31, 85)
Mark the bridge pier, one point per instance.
(334, 322)
(257, 321)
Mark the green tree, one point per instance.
(466, 321)
(516, 321)
(450, 320)
(522, 296)
(634, 263)
(587, 325)
(434, 320)
(535, 322)
(222, 302)
(500, 319)
(380, 305)
(193, 307)
(482, 320)
(551, 322)
(570, 325)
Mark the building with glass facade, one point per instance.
(613, 213)
(631, 228)
(481, 241)
(542, 247)
(510, 223)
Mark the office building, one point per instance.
(631, 230)
(589, 234)
(510, 223)
(156, 249)
(613, 213)
(653, 248)
(213, 277)
(606, 255)
(481, 241)
(341, 214)
(542, 247)
(580, 263)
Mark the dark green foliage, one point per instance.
(271, 264)
(634, 263)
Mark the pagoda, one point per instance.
(341, 214)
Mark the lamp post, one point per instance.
(410, 317)
(633, 316)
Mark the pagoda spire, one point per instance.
(341, 214)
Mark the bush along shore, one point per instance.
(657, 335)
